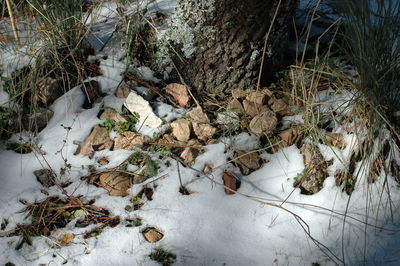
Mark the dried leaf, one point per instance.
(229, 182)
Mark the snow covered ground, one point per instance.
(268, 222)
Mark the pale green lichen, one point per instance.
(187, 23)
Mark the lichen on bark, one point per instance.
(217, 45)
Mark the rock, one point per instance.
(247, 162)
(46, 177)
(264, 124)
(152, 234)
(113, 115)
(92, 92)
(135, 103)
(257, 97)
(179, 93)
(130, 140)
(316, 169)
(123, 91)
(116, 183)
(252, 109)
(277, 105)
(238, 93)
(181, 129)
(99, 139)
(197, 115)
(189, 155)
(204, 131)
(235, 106)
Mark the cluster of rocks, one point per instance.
(258, 106)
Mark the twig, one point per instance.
(13, 24)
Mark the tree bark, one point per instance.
(224, 40)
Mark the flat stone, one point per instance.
(136, 103)
(264, 124)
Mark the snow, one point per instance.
(256, 226)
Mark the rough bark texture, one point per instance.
(226, 38)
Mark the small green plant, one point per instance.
(123, 167)
(119, 127)
(163, 256)
(134, 221)
(136, 158)
(300, 176)
(151, 167)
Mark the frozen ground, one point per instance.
(268, 222)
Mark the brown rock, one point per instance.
(257, 97)
(197, 115)
(123, 91)
(113, 115)
(189, 155)
(235, 106)
(204, 131)
(179, 93)
(252, 109)
(152, 234)
(129, 140)
(264, 124)
(116, 183)
(247, 162)
(99, 139)
(181, 129)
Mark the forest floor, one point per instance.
(189, 185)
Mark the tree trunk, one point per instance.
(222, 41)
